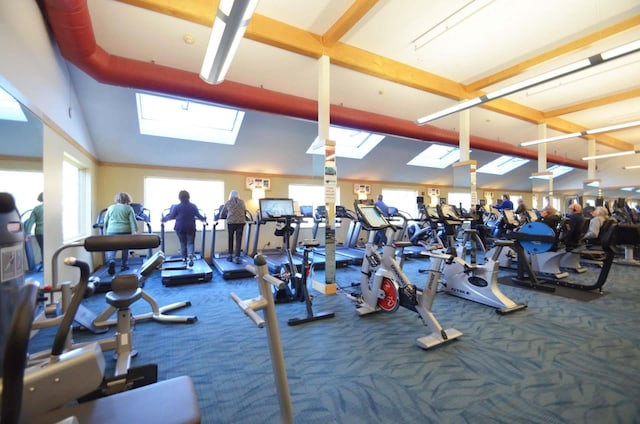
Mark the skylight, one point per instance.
(557, 170)
(10, 109)
(354, 144)
(187, 120)
(436, 156)
(502, 165)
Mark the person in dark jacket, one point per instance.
(185, 214)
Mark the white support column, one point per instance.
(591, 164)
(330, 176)
(464, 141)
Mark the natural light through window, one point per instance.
(557, 170)
(10, 109)
(24, 186)
(502, 165)
(309, 195)
(354, 144)
(74, 198)
(404, 200)
(436, 156)
(161, 193)
(187, 119)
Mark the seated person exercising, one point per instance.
(550, 216)
(599, 215)
(574, 227)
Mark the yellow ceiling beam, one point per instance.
(517, 69)
(601, 101)
(278, 34)
(352, 16)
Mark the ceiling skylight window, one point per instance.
(187, 120)
(10, 109)
(354, 144)
(557, 170)
(436, 156)
(502, 165)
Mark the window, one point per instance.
(24, 186)
(187, 120)
(436, 156)
(502, 165)
(457, 199)
(354, 144)
(10, 109)
(161, 193)
(309, 195)
(403, 200)
(75, 203)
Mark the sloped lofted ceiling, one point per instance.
(379, 80)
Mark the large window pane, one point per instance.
(74, 199)
(161, 193)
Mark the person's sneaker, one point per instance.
(112, 268)
(190, 260)
(237, 260)
(124, 268)
(230, 258)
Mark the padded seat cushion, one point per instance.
(171, 401)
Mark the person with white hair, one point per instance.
(599, 214)
(235, 211)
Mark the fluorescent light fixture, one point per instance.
(469, 9)
(631, 167)
(601, 130)
(611, 155)
(502, 165)
(436, 156)
(537, 80)
(229, 26)
(555, 170)
(627, 188)
(188, 120)
(468, 104)
(350, 143)
(10, 109)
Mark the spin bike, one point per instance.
(306, 277)
(385, 287)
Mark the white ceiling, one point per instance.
(503, 34)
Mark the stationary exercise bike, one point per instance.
(385, 287)
(305, 277)
(479, 283)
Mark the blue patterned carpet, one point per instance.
(561, 360)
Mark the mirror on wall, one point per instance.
(21, 157)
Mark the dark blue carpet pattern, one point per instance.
(561, 360)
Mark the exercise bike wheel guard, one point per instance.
(391, 300)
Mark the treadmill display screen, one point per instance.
(271, 209)
(372, 216)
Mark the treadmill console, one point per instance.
(274, 209)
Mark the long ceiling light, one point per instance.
(229, 26)
(468, 10)
(631, 167)
(609, 128)
(545, 77)
(612, 155)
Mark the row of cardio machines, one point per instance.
(280, 215)
(174, 271)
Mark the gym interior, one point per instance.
(501, 322)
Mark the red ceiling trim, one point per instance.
(71, 24)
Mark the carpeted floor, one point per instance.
(561, 360)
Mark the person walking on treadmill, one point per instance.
(380, 238)
(235, 211)
(185, 214)
(119, 219)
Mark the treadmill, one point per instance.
(281, 212)
(101, 278)
(175, 272)
(319, 217)
(348, 248)
(232, 270)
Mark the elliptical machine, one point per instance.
(385, 287)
